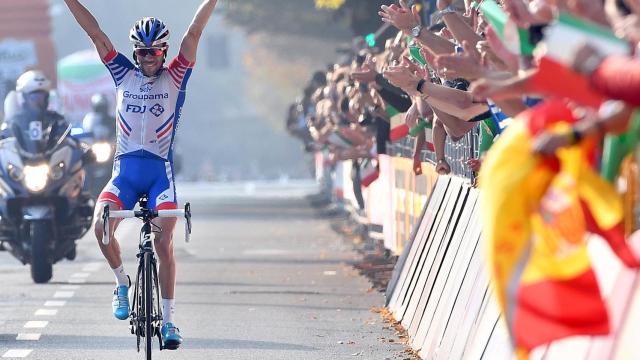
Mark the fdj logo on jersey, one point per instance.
(157, 110)
(136, 109)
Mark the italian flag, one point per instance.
(80, 76)
(427, 127)
(398, 128)
(514, 38)
(560, 43)
(563, 38)
(368, 172)
(428, 136)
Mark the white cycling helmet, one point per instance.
(33, 80)
(149, 32)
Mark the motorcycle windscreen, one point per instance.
(36, 134)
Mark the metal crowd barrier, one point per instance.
(456, 153)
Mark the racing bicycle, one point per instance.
(145, 317)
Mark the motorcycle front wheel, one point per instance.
(41, 263)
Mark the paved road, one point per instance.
(263, 278)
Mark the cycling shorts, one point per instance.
(134, 176)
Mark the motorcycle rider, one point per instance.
(99, 122)
(32, 97)
(98, 125)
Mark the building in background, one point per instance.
(25, 41)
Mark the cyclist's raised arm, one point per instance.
(189, 45)
(90, 25)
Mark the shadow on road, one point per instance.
(68, 342)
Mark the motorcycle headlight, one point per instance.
(15, 173)
(35, 177)
(57, 171)
(102, 150)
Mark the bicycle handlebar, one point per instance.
(126, 214)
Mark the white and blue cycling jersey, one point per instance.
(147, 114)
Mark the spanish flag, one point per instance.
(536, 216)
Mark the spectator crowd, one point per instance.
(480, 67)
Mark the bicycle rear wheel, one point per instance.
(149, 330)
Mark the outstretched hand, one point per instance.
(484, 88)
(465, 65)
(367, 72)
(402, 17)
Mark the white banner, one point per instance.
(16, 56)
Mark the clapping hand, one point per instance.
(406, 76)
(402, 17)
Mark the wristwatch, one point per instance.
(415, 31)
(448, 10)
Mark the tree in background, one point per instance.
(325, 18)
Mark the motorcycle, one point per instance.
(43, 208)
(98, 173)
(98, 131)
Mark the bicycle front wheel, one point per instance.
(149, 313)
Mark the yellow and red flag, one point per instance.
(536, 216)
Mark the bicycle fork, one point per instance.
(146, 268)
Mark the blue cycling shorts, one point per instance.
(134, 176)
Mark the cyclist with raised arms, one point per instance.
(149, 103)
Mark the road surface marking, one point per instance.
(28, 337)
(92, 267)
(77, 281)
(36, 324)
(55, 303)
(46, 312)
(63, 294)
(329, 273)
(17, 353)
(81, 275)
(70, 287)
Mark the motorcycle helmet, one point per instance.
(33, 80)
(34, 87)
(99, 103)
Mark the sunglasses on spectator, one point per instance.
(142, 52)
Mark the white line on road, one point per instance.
(70, 287)
(28, 337)
(17, 353)
(46, 312)
(63, 294)
(36, 324)
(77, 281)
(58, 303)
(80, 275)
(92, 267)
